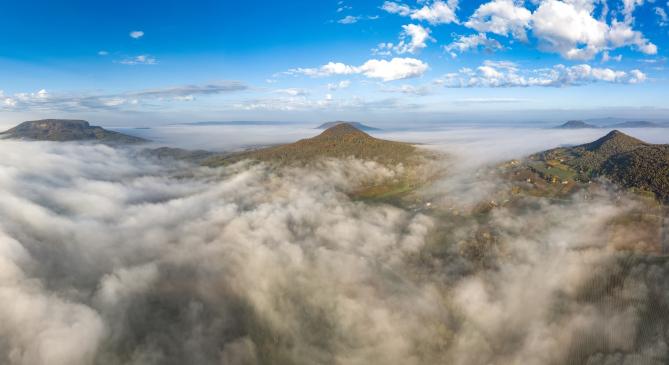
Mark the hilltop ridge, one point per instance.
(339, 141)
(612, 143)
(591, 156)
(628, 161)
(340, 130)
(357, 125)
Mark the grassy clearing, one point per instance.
(553, 168)
(389, 192)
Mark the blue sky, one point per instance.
(156, 62)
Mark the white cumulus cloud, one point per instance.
(438, 12)
(570, 31)
(502, 17)
(506, 74)
(570, 28)
(416, 35)
(395, 69)
(396, 8)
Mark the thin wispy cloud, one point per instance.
(136, 34)
(43, 100)
(421, 90)
(474, 101)
(349, 19)
(472, 42)
(139, 60)
(662, 16)
(293, 91)
(413, 38)
(344, 84)
(204, 89)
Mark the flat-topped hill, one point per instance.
(66, 130)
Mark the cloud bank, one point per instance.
(507, 74)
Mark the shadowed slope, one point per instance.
(628, 161)
(646, 168)
(591, 156)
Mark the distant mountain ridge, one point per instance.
(636, 124)
(357, 125)
(580, 124)
(235, 123)
(576, 124)
(67, 130)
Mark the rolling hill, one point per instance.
(628, 161)
(340, 141)
(343, 141)
(67, 130)
(591, 156)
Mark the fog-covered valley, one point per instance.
(108, 256)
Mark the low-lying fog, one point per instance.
(107, 257)
(479, 141)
